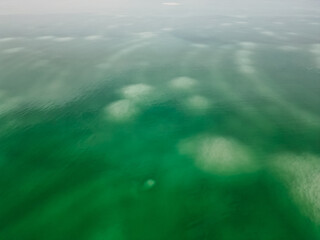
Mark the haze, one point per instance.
(200, 7)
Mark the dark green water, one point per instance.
(146, 128)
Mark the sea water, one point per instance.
(159, 127)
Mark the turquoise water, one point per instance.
(124, 127)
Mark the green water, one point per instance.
(146, 128)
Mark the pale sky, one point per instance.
(158, 6)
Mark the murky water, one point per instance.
(125, 127)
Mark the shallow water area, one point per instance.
(169, 125)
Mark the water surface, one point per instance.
(159, 127)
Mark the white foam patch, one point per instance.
(93, 37)
(150, 183)
(9, 103)
(241, 22)
(197, 104)
(121, 111)
(2, 94)
(45, 38)
(241, 16)
(278, 23)
(248, 45)
(244, 56)
(183, 83)
(226, 24)
(126, 51)
(112, 26)
(104, 65)
(315, 50)
(146, 35)
(288, 48)
(171, 3)
(13, 50)
(219, 155)
(121, 16)
(292, 33)
(317, 60)
(248, 69)
(198, 45)
(258, 29)
(167, 29)
(244, 61)
(9, 39)
(63, 39)
(268, 33)
(301, 174)
(137, 92)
